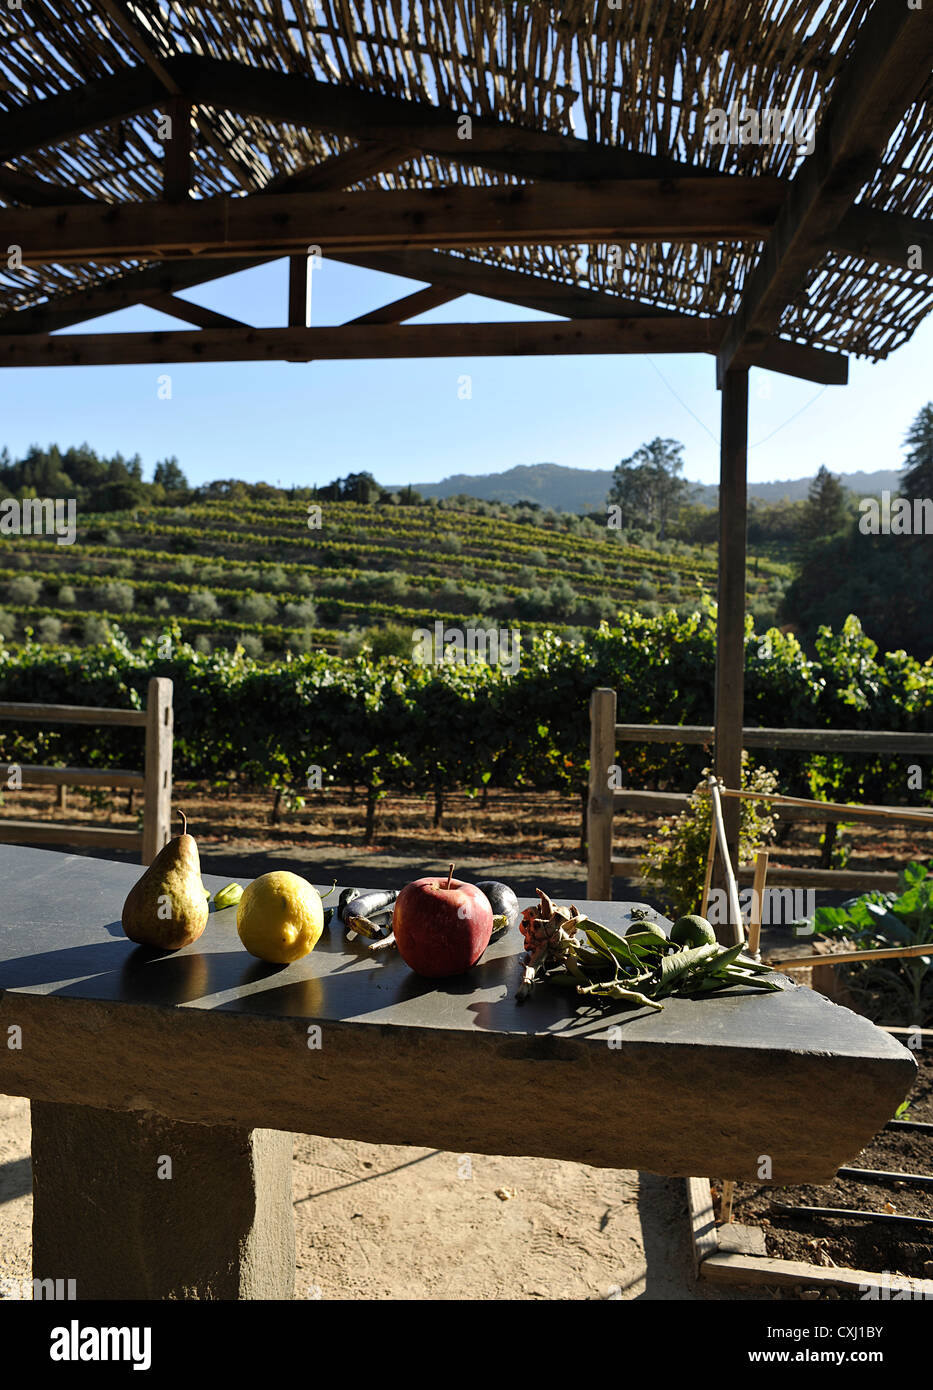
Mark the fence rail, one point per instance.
(606, 734)
(155, 780)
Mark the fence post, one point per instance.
(157, 811)
(599, 806)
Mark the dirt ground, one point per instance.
(385, 1222)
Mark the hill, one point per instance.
(257, 571)
(585, 489)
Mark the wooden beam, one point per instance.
(410, 306)
(88, 106)
(417, 127)
(730, 623)
(32, 192)
(121, 291)
(299, 277)
(176, 167)
(461, 216)
(886, 238)
(295, 99)
(371, 341)
(577, 302)
(190, 313)
(128, 25)
(888, 66)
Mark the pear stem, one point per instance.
(184, 823)
(449, 876)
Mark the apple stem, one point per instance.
(184, 823)
(449, 876)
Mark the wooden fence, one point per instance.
(155, 780)
(606, 734)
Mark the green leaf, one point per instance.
(675, 966)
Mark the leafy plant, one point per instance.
(677, 854)
(877, 919)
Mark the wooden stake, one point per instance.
(725, 1206)
(735, 911)
(711, 855)
(758, 893)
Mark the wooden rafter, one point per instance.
(576, 302)
(364, 341)
(889, 65)
(630, 210)
(400, 310)
(190, 313)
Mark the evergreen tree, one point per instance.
(826, 509)
(918, 479)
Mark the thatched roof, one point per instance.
(641, 78)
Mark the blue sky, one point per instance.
(405, 421)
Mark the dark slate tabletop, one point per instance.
(60, 937)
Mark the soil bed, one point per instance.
(875, 1246)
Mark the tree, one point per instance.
(169, 474)
(647, 485)
(826, 508)
(918, 480)
(359, 487)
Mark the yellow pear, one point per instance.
(167, 908)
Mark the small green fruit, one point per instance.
(693, 931)
(646, 929)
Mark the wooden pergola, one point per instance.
(556, 157)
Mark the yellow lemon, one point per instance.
(280, 917)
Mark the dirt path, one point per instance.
(388, 1222)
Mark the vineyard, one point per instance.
(260, 574)
(314, 721)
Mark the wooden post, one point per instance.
(730, 629)
(176, 168)
(63, 796)
(157, 814)
(298, 272)
(599, 807)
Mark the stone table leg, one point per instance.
(134, 1205)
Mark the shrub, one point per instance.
(7, 624)
(22, 589)
(350, 643)
(50, 629)
(96, 630)
(392, 640)
(301, 642)
(251, 644)
(202, 643)
(645, 589)
(255, 608)
(299, 614)
(676, 856)
(274, 577)
(202, 604)
(66, 597)
(160, 604)
(115, 597)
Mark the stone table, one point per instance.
(165, 1088)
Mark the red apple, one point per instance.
(442, 926)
